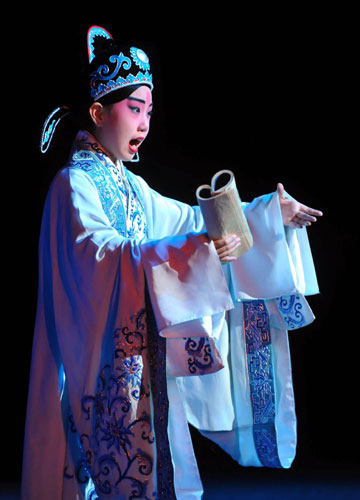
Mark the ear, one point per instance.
(96, 111)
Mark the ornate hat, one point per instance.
(113, 68)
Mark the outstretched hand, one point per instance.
(294, 213)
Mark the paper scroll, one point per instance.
(222, 211)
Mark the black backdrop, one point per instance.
(266, 94)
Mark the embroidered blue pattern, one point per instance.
(260, 371)
(102, 72)
(290, 308)
(136, 225)
(111, 85)
(131, 371)
(101, 90)
(110, 457)
(140, 58)
(200, 360)
(124, 209)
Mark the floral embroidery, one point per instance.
(117, 456)
(131, 371)
(118, 453)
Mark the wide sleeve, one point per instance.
(280, 261)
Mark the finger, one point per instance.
(302, 221)
(229, 247)
(221, 242)
(303, 216)
(280, 190)
(311, 211)
(228, 259)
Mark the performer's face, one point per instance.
(123, 126)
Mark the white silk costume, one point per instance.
(138, 324)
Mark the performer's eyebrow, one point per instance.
(139, 100)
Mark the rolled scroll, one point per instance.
(223, 213)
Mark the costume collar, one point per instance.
(85, 141)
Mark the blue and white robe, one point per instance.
(137, 321)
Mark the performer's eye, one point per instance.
(134, 109)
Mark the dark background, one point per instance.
(266, 94)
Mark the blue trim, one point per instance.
(89, 156)
(106, 187)
(261, 380)
(134, 183)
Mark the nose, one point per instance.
(144, 123)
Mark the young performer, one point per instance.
(140, 329)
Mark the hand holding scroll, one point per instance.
(226, 246)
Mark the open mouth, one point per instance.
(135, 143)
